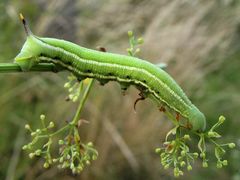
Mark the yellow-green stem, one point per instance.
(82, 102)
(44, 67)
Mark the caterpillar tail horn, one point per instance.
(27, 57)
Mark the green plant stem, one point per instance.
(44, 67)
(82, 102)
(59, 131)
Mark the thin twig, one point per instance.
(82, 102)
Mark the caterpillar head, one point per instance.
(30, 50)
(197, 119)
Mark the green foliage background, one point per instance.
(199, 40)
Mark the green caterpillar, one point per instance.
(152, 81)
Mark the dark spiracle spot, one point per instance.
(124, 88)
(79, 79)
(157, 92)
(68, 63)
(110, 74)
(102, 83)
(144, 81)
(128, 77)
(88, 71)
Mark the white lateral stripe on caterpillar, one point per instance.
(102, 64)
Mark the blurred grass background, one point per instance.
(200, 42)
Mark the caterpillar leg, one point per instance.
(102, 49)
(178, 116)
(162, 109)
(138, 99)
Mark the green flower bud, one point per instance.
(219, 164)
(176, 172)
(50, 161)
(74, 170)
(90, 144)
(70, 96)
(163, 162)
(38, 131)
(46, 165)
(51, 125)
(61, 159)
(186, 137)
(158, 150)
(162, 155)
(231, 145)
(183, 153)
(182, 164)
(24, 147)
(31, 155)
(137, 50)
(195, 155)
(38, 152)
(166, 166)
(68, 156)
(71, 77)
(42, 117)
(225, 162)
(211, 134)
(181, 173)
(65, 165)
(203, 155)
(72, 166)
(180, 158)
(130, 33)
(94, 157)
(204, 164)
(33, 133)
(75, 98)
(80, 168)
(27, 126)
(60, 142)
(29, 146)
(189, 167)
(221, 119)
(75, 154)
(88, 162)
(140, 40)
(173, 143)
(67, 85)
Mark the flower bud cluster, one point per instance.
(133, 50)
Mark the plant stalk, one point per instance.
(44, 67)
(82, 102)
